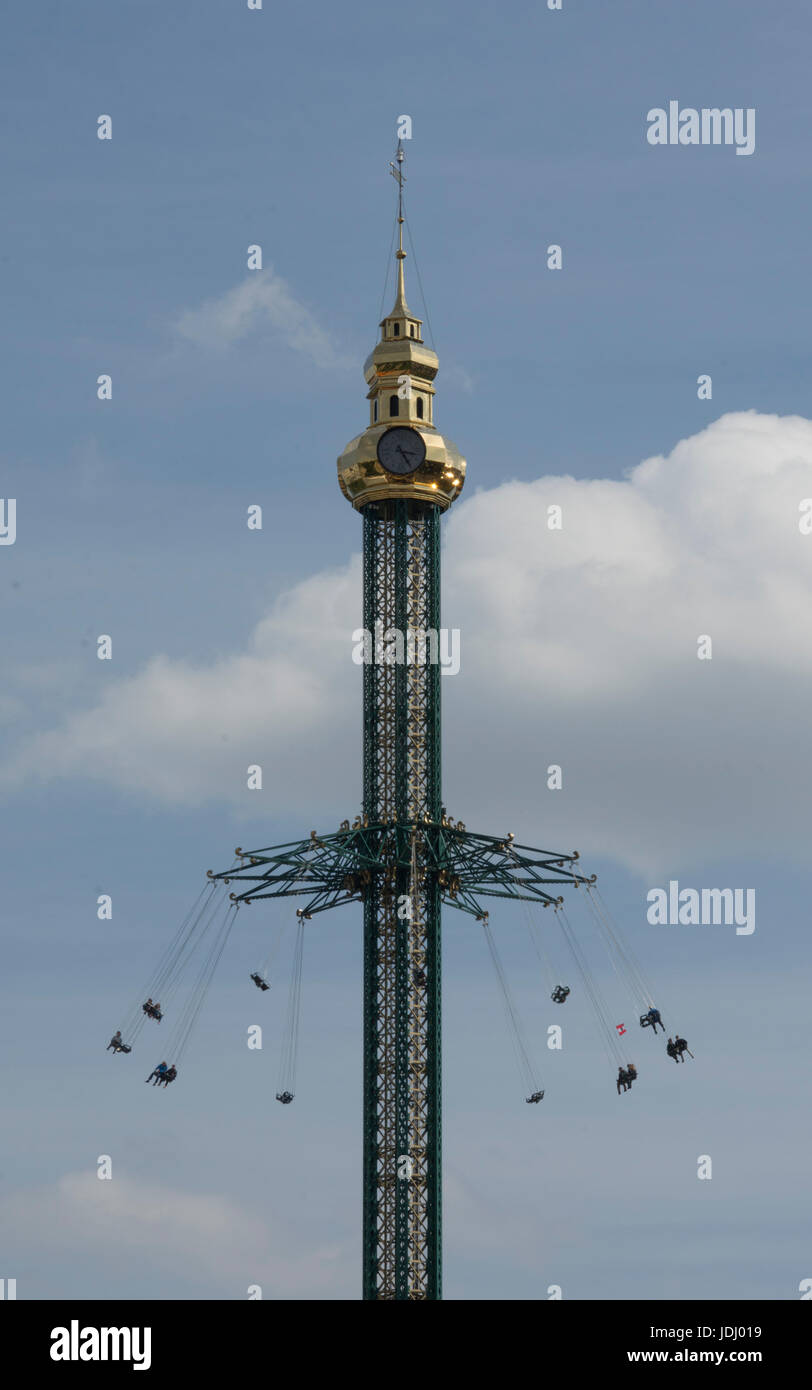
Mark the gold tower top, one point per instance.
(400, 453)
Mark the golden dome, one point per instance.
(400, 374)
(439, 478)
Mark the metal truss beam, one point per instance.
(330, 870)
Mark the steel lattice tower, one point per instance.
(402, 856)
(402, 953)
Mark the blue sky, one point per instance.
(231, 646)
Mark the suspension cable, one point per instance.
(606, 1031)
(419, 281)
(388, 271)
(536, 933)
(179, 1039)
(277, 944)
(169, 965)
(634, 975)
(515, 1028)
(280, 932)
(290, 1040)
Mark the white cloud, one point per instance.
(170, 1230)
(184, 734)
(263, 302)
(578, 648)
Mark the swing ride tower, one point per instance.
(403, 856)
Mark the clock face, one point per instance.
(401, 450)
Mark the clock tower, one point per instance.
(403, 855)
(401, 474)
(401, 453)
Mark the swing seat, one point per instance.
(535, 1098)
(285, 1097)
(645, 1021)
(559, 994)
(259, 982)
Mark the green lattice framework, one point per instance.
(402, 856)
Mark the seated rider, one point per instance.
(682, 1046)
(654, 1018)
(157, 1073)
(622, 1080)
(115, 1042)
(168, 1075)
(672, 1050)
(631, 1072)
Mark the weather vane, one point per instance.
(396, 170)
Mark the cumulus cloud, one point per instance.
(264, 302)
(186, 734)
(581, 645)
(579, 648)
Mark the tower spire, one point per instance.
(400, 373)
(396, 170)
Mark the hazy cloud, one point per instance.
(263, 303)
(170, 1229)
